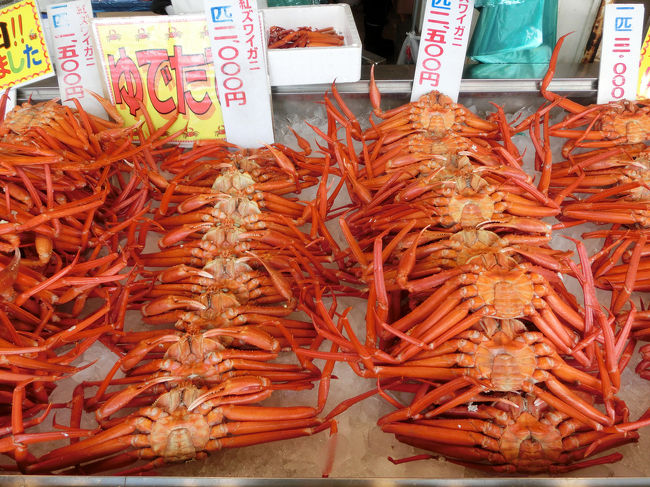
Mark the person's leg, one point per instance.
(375, 16)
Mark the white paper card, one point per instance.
(621, 52)
(73, 54)
(441, 56)
(239, 57)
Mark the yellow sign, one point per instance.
(643, 93)
(23, 53)
(163, 64)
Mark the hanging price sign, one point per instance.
(443, 44)
(74, 55)
(239, 56)
(621, 48)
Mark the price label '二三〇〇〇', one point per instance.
(621, 48)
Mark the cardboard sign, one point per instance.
(621, 48)
(165, 63)
(243, 84)
(23, 53)
(443, 44)
(76, 69)
(643, 90)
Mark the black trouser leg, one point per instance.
(375, 16)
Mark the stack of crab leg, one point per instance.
(466, 310)
(604, 180)
(231, 269)
(68, 198)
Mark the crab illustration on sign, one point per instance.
(142, 34)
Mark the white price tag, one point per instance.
(239, 57)
(621, 51)
(443, 43)
(73, 54)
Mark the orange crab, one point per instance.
(512, 433)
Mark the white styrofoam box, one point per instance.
(312, 65)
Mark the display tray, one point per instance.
(362, 449)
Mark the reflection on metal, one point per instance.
(59, 481)
(368, 57)
(570, 78)
(572, 85)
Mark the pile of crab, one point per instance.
(67, 198)
(604, 180)
(219, 300)
(471, 333)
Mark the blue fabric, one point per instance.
(515, 31)
(121, 5)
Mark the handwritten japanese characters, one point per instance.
(620, 54)
(242, 82)
(443, 44)
(73, 54)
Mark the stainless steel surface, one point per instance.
(52, 481)
(570, 79)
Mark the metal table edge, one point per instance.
(43, 92)
(157, 481)
(560, 85)
(571, 79)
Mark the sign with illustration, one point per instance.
(164, 65)
(23, 52)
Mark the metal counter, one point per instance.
(291, 105)
(51, 481)
(570, 80)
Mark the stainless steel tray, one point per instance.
(292, 104)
